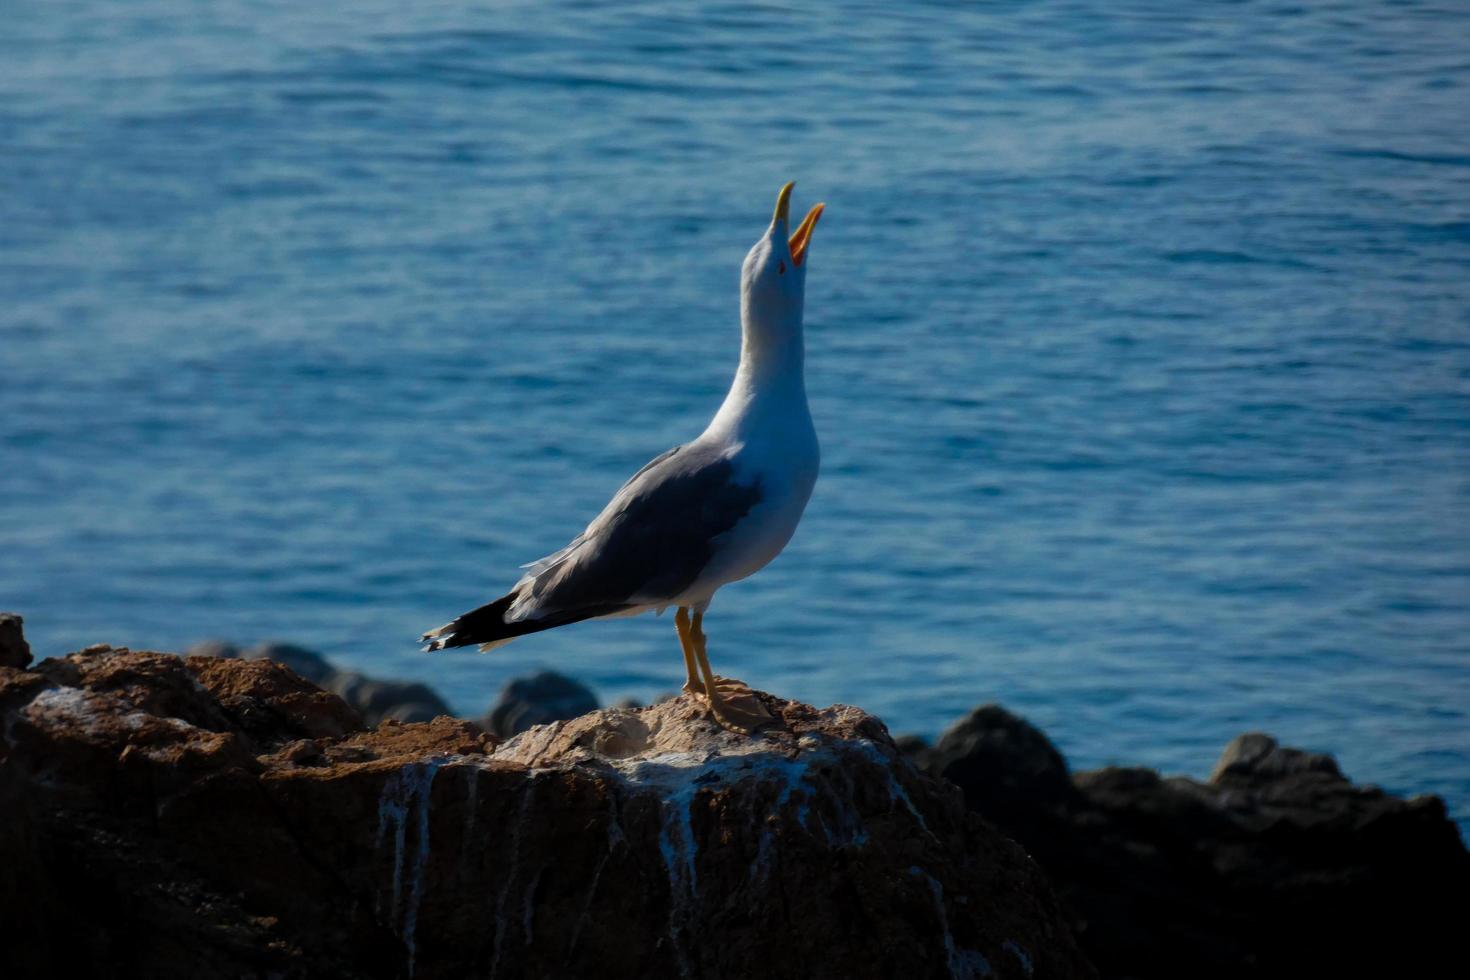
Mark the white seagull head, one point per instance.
(773, 279)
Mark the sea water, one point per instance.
(1137, 344)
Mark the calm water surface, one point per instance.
(1137, 340)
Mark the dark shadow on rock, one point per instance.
(1278, 866)
(14, 650)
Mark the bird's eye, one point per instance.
(781, 268)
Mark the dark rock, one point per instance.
(32, 912)
(1254, 760)
(14, 650)
(203, 817)
(538, 700)
(917, 750)
(997, 758)
(1278, 866)
(380, 700)
(914, 747)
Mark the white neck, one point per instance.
(770, 375)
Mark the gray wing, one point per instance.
(650, 542)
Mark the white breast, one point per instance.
(784, 464)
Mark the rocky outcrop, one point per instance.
(212, 817)
(1278, 866)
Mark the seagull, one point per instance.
(702, 515)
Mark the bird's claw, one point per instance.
(736, 708)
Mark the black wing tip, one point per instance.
(447, 637)
(478, 626)
(486, 627)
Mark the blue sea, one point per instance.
(1138, 343)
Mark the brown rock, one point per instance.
(272, 703)
(209, 817)
(308, 663)
(372, 699)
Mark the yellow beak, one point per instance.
(803, 234)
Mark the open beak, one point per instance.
(803, 234)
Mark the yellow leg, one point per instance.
(740, 711)
(686, 642)
(696, 633)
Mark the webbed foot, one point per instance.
(737, 708)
